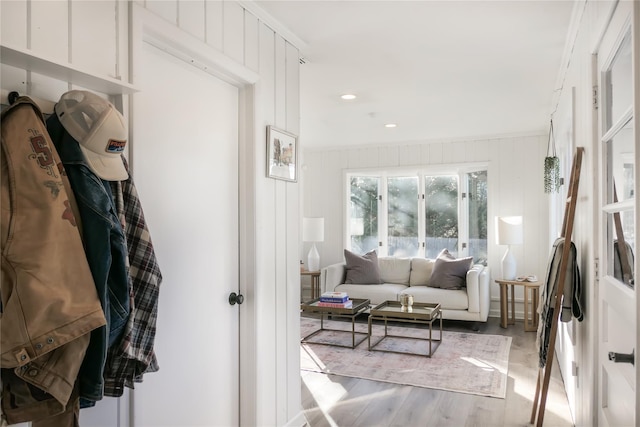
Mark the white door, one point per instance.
(617, 402)
(185, 161)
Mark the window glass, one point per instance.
(621, 236)
(402, 211)
(441, 215)
(620, 165)
(621, 246)
(620, 80)
(477, 202)
(363, 224)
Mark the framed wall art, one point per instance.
(282, 154)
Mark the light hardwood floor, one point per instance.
(333, 400)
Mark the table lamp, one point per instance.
(508, 232)
(313, 231)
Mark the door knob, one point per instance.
(235, 298)
(622, 357)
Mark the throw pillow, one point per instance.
(363, 269)
(421, 269)
(394, 270)
(449, 272)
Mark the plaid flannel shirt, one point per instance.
(134, 355)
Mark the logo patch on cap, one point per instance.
(115, 146)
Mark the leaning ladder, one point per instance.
(544, 373)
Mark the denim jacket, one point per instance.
(106, 250)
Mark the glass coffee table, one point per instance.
(359, 307)
(418, 313)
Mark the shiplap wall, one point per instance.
(515, 187)
(577, 340)
(94, 35)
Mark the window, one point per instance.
(363, 213)
(619, 151)
(418, 213)
(441, 214)
(402, 214)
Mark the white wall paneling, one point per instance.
(233, 36)
(266, 291)
(192, 17)
(95, 22)
(292, 215)
(166, 9)
(215, 23)
(42, 56)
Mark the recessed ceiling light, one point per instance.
(348, 96)
(390, 125)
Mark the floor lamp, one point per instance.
(313, 231)
(508, 232)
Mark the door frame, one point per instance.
(633, 23)
(144, 26)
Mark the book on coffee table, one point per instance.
(346, 304)
(337, 297)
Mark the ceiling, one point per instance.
(438, 69)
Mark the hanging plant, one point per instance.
(551, 166)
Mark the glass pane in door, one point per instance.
(402, 231)
(441, 212)
(363, 224)
(477, 183)
(620, 223)
(619, 82)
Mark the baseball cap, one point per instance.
(99, 129)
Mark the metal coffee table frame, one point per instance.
(359, 307)
(421, 313)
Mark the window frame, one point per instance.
(460, 170)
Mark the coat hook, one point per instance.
(13, 96)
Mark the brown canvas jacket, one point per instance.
(49, 302)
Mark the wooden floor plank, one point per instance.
(332, 400)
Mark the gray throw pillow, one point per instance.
(449, 272)
(362, 269)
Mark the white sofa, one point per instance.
(411, 276)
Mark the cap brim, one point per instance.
(108, 168)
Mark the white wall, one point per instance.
(577, 342)
(515, 187)
(93, 36)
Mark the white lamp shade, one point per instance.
(509, 230)
(313, 229)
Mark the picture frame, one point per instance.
(282, 154)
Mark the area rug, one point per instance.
(470, 363)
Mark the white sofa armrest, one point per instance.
(478, 290)
(332, 276)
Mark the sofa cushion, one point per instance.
(421, 269)
(362, 269)
(449, 272)
(394, 270)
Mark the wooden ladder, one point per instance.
(544, 373)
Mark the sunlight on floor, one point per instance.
(316, 360)
(556, 403)
(334, 392)
(483, 365)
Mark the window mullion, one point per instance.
(383, 214)
(463, 214)
(421, 214)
